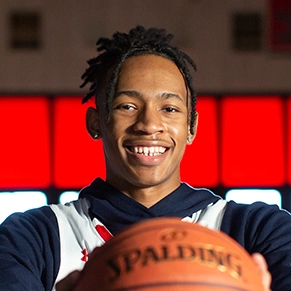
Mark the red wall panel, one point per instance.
(33, 155)
(288, 139)
(252, 141)
(25, 152)
(199, 166)
(78, 159)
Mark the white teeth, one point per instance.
(149, 151)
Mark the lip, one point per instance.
(147, 143)
(143, 159)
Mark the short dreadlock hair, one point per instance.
(105, 68)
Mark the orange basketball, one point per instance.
(168, 254)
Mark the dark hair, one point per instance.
(104, 69)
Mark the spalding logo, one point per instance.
(171, 249)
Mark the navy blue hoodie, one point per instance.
(32, 244)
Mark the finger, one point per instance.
(263, 269)
(69, 282)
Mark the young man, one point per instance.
(145, 115)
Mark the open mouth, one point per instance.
(148, 151)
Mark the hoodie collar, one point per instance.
(116, 210)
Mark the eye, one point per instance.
(170, 109)
(126, 107)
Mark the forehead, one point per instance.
(151, 72)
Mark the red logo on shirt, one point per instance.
(103, 232)
(85, 255)
(105, 235)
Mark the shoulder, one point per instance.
(30, 249)
(254, 223)
(255, 211)
(39, 218)
(265, 229)
(75, 209)
(37, 228)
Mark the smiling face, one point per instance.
(145, 139)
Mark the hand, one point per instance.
(263, 268)
(69, 282)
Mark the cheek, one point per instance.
(112, 133)
(179, 129)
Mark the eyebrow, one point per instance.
(165, 95)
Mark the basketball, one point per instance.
(166, 254)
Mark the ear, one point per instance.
(191, 136)
(92, 123)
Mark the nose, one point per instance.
(149, 121)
